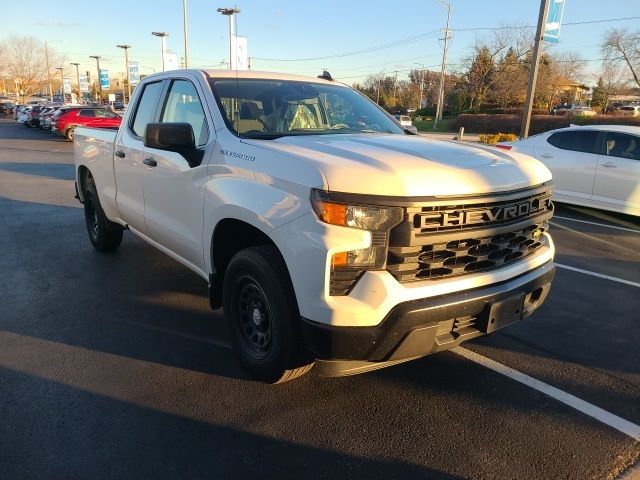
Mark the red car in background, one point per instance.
(65, 120)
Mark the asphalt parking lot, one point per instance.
(113, 366)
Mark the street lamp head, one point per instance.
(73, 63)
(123, 46)
(95, 56)
(229, 11)
(160, 34)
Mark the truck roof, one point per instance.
(265, 75)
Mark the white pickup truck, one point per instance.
(328, 232)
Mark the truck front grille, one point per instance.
(441, 240)
(469, 255)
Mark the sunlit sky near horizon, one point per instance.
(297, 29)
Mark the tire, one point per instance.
(69, 134)
(262, 316)
(105, 236)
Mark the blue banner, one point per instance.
(104, 80)
(554, 21)
(134, 75)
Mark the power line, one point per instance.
(567, 24)
(397, 43)
(422, 36)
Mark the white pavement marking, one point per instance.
(620, 424)
(599, 275)
(598, 224)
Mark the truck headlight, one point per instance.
(347, 267)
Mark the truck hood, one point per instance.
(399, 165)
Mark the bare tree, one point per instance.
(24, 62)
(621, 46)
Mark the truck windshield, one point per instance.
(268, 109)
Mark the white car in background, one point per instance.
(405, 120)
(595, 166)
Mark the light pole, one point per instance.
(231, 13)
(46, 53)
(222, 63)
(61, 84)
(533, 70)
(163, 43)
(78, 79)
(126, 68)
(185, 29)
(98, 57)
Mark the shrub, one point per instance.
(492, 139)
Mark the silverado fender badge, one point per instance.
(241, 156)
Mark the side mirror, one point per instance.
(412, 129)
(174, 137)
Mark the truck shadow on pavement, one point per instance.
(84, 435)
(58, 171)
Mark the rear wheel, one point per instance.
(104, 235)
(262, 316)
(69, 134)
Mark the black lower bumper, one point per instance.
(420, 327)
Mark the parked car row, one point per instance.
(63, 120)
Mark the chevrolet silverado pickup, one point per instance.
(328, 233)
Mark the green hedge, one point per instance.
(484, 123)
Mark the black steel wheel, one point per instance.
(262, 315)
(104, 235)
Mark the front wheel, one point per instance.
(262, 315)
(104, 235)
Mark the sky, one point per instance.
(279, 30)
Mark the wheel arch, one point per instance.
(229, 236)
(83, 176)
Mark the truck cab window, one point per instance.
(183, 105)
(146, 107)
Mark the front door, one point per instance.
(572, 157)
(174, 190)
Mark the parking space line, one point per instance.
(596, 223)
(599, 275)
(620, 424)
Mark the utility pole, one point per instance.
(379, 86)
(78, 79)
(439, 108)
(231, 13)
(46, 54)
(186, 33)
(395, 82)
(533, 70)
(126, 69)
(98, 57)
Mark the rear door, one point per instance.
(618, 174)
(129, 154)
(173, 190)
(572, 157)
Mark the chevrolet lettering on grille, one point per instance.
(498, 214)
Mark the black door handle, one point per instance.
(119, 153)
(150, 161)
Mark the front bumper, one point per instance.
(417, 328)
